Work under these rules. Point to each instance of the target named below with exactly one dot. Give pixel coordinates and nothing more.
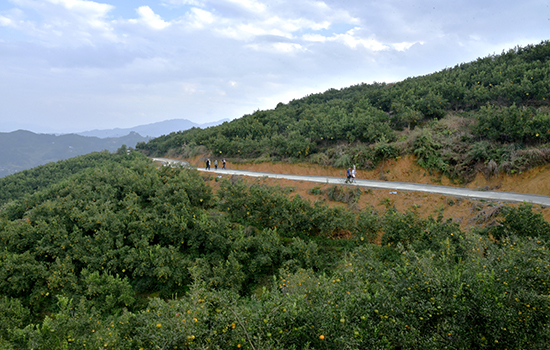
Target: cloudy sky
(75, 65)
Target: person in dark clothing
(348, 175)
(208, 164)
(223, 163)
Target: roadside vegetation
(129, 256)
(110, 251)
(491, 115)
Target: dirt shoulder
(466, 212)
(534, 181)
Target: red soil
(464, 211)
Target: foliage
(23, 149)
(503, 98)
(520, 221)
(426, 151)
(513, 124)
(423, 300)
(108, 251)
(40, 177)
(344, 194)
(133, 257)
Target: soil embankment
(466, 212)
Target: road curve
(390, 185)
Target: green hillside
(491, 115)
(25, 150)
(110, 251)
(123, 255)
(28, 181)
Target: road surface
(390, 185)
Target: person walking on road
(223, 163)
(216, 164)
(207, 163)
(353, 173)
(348, 175)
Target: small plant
(343, 194)
(387, 203)
(315, 190)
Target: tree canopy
(112, 251)
(502, 98)
(126, 255)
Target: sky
(77, 65)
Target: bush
(521, 221)
(343, 194)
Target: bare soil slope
(464, 211)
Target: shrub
(343, 194)
(401, 228)
(521, 221)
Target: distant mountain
(151, 130)
(23, 149)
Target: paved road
(390, 185)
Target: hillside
(24, 149)
(466, 212)
(490, 115)
(406, 169)
(111, 251)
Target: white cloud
(250, 5)
(274, 25)
(149, 18)
(354, 41)
(288, 47)
(315, 38)
(199, 18)
(6, 22)
(183, 2)
(64, 21)
(224, 58)
(404, 45)
(84, 7)
(285, 48)
(293, 25)
(87, 13)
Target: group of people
(215, 164)
(350, 175)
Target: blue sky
(75, 65)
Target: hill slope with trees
(23, 149)
(111, 251)
(125, 255)
(489, 115)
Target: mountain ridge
(151, 130)
(24, 149)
